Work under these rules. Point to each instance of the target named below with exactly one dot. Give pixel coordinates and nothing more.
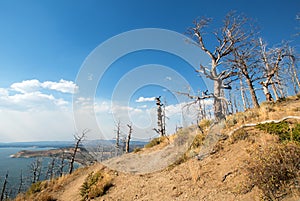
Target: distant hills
(60, 144)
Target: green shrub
(283, 130)
(95, 185)
(275, 169)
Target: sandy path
(142, 163)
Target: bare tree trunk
(235, 105)
(275, 91)
(36, 170)
(62, 164)
(266, 91)
(242, 90)
(219, 115)
(21, 183)
(252, 92)
(118, 134)
(230, 101)
(128, 138)
(160, 124)
(293, 70)
(4, 187)
(51, 168)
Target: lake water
(14, 167)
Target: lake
(14, 167)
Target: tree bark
(219, 115)
(78, 141)
(252, 92)
(128, 138)
(275, 91)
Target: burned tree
(292, 69)
(118, 125)
(78, 139)
(271, 62)
(245, 60)
(50, 170)
(21, 183)
(62, 164)
(4, 187)
(36, 168)
(160, 118)
(228, 38)
(128, 138)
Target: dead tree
(160, 118)
(245, 59)
(271, 61)
(198, 99)
(21, 183)
(128, 138)
(62, 164)
(50, 170)
(118, 125)
(4, 187)
(292, 69)
(35, 169)
(78, 139)
(228, 38)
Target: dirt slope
(220, 175)
(148, 162)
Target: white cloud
(63, 86)
(26, 86)
(142, 106)
(36, 95)
(143, 99)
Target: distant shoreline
(82, 156)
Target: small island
(83, 157)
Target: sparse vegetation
(95, 185)
(284, 130)
(275, 169)
(35, 188)
(155, 141)
(137, 149)
(240, 134)
(205, 123)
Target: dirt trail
(72, 191)
(142, 163)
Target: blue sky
(43, 45)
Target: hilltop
(254, 162)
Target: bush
(240, 134)
(198, 141)
(35, 188)
(137, 149)
(283, 130)
(155, 141)
(205, 123)
(275, 169)
(95, 185)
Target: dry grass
(275, 169)
(290, 106)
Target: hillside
(242, 163)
